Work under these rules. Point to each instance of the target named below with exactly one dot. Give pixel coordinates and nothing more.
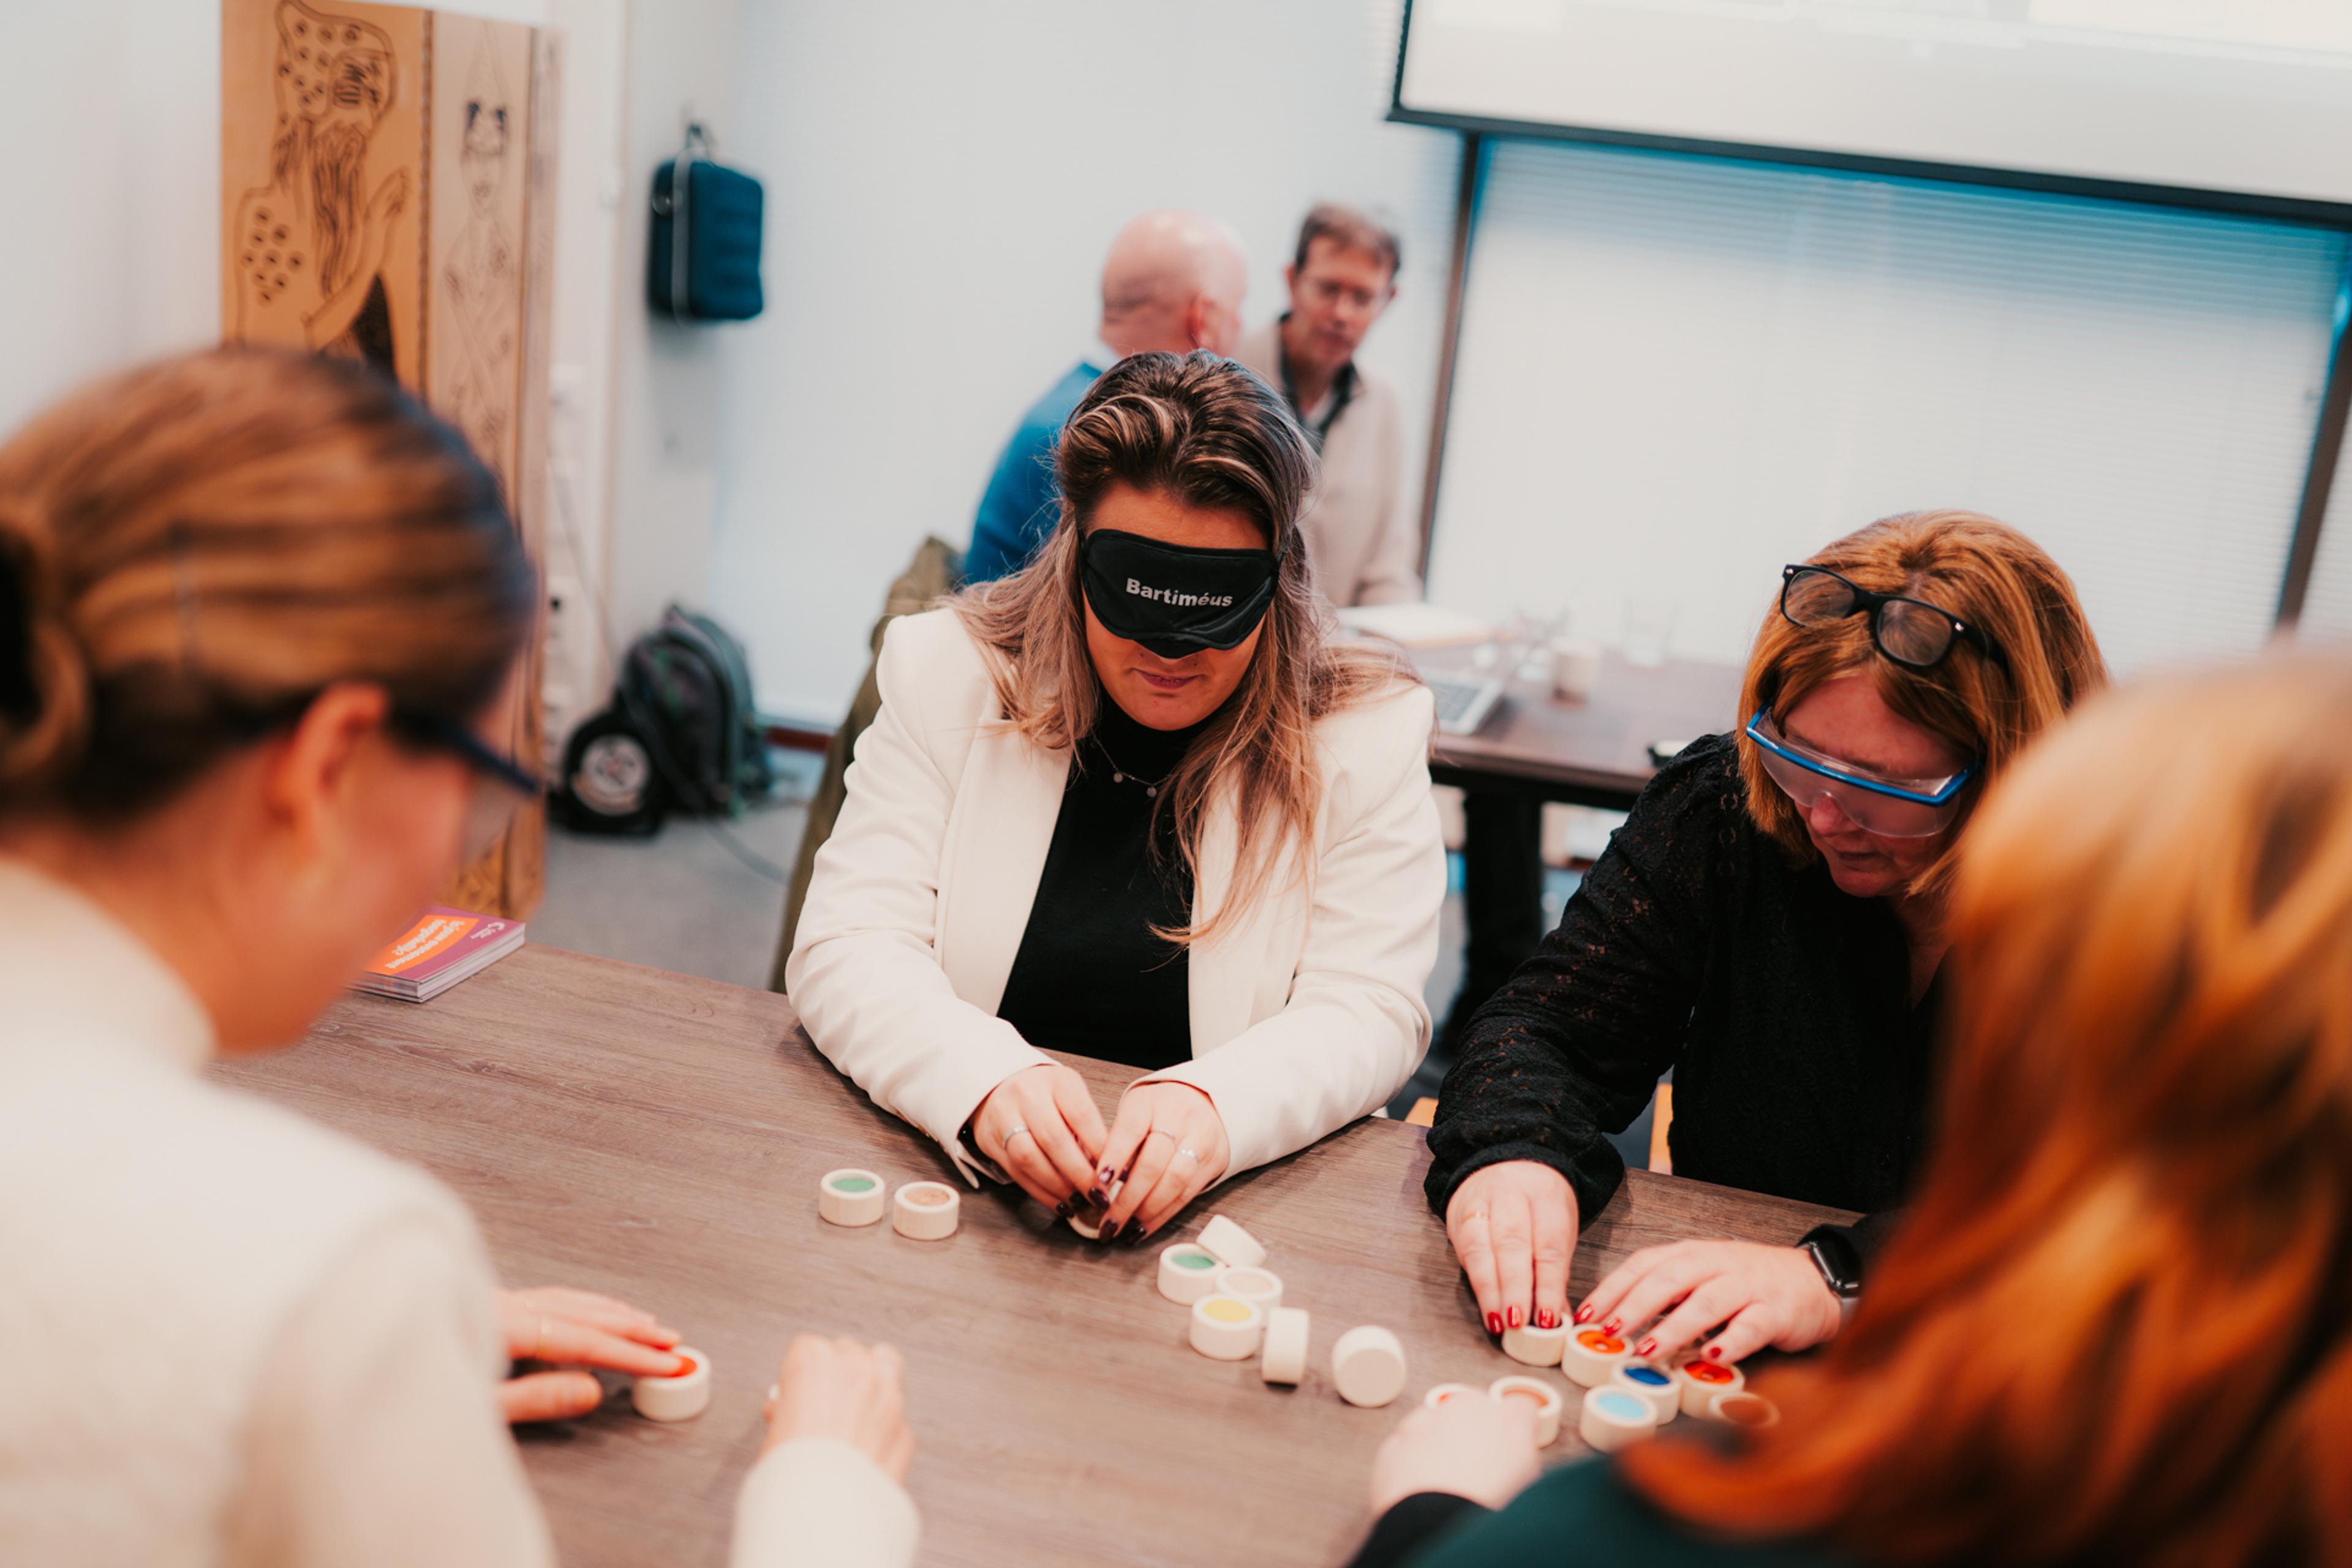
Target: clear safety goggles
(1891, 808)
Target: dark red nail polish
(1715, 1353)
(1493, 1322)
(1062, 1209)
(1100, 1200)
(1582, 1313)
(1513, 1319)
(1647, 1348)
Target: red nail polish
(1647, 1348)
(1715, 1353)
(1546, 1319)
(1515, 1317)
(1610, 1327)
(1582, 1313)
(1493, 1322)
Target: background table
(660, 1137)
(1594, 752)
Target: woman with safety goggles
(1135, 801)
(1769, 925)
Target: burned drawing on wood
(310, 246)
(481, 270)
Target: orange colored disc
(1603, 1344)
(686, 1367)
(1705, 1371)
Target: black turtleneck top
(1090, 976)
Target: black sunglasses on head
(1911, 632)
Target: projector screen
(2237, 104)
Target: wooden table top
(661, 1137)
(1594, 752)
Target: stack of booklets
(442, 948)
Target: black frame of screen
(2335, 402)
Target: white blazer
(1304, 1015)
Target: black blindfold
(1172, 598)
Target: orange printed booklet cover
(442, 948)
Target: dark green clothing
(1579, 1514)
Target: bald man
(1172, 282)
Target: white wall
(942, 179)
(680, 57)
(111, 249)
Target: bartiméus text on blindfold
(1176, 599)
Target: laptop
(1464, 701)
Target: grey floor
(701, 896)
(707, 898)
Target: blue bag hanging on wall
(704, 260)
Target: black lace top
(1801, 1067)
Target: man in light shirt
(1172, 282)
(1367, 549)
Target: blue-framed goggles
(1891, 808)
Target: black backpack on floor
(680, 735)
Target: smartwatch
(1840, 1261)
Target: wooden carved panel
(388, 193)
(322, 176)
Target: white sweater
(239, 1337)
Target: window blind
(2327, 603)
(1677, 374)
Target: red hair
(2113, 1327)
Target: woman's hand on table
(1167, 1147)
(844, 1390)
(1482, 1449)
(1758, 1295)
(1513, 1225)
(1041, 1127)
(576, 1329)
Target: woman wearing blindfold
(1135, 801)
(1769, 925)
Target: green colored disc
(1195, 1261)
(853, 1184)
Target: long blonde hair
(1985, 707)
(2116, 1326)
(1209, 433)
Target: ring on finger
(1160, 1133)
(1188, 1154)
(539, 1346)
(1015, 1131)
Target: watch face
(613, 776)
(1841, 1283)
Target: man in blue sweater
(1173, 282)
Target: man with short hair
(1365, 546)
(1367, 551)
(1172, 282)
